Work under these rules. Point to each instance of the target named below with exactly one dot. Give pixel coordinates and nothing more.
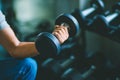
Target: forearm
(24, 49)
(16, 48)
(10, 42)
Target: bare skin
(18, 49)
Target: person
(16, 63)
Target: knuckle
(59, 31)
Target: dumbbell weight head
(74, 28)
(47, 45)
(103, 22)
(79, 16)
(99, 6)
(55, 67)
(116, 8)
(102, 25)
(109, 18)
(51, 66)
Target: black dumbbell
(97, 7)
(116, 8)
(73, 74)
(116, 31)
(71, 21)
(101, 23)
(47, 44)
(54, 68)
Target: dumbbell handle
(115, 14)
(99, 5)
(68, 62)
(65, 24)
(72, 74)
(86, 12)
(89, 72)
(109, 18)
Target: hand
(61, 32)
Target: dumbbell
(54, 68)
(116, 8)
(47, 44)
(97, 7)
(73, 74)
(101, 23)
(116, 22)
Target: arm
(16, 48)
(19, 49)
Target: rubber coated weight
(97, 7)
(116, 8)
(55, 68)
(73, 24)
(104, 21)
(47, 44)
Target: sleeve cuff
(3, 25)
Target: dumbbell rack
(107, 35)
(109, 40)
(106, 44)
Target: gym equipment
(73, 74)
(71, 22)
(116, 8)
(116, 31)
(103, 22)
(97, 7)
(55, 68)
(47, 44)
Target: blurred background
(30, 17)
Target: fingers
(61, 32)
(61, 40)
